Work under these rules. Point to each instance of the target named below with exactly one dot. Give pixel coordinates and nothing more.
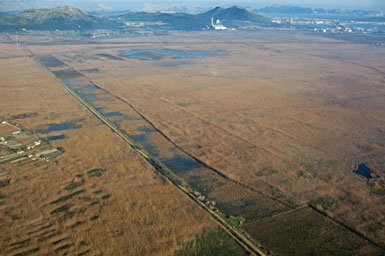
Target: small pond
(364, 171)
(57, 137)
(157, 54)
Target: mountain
(21, 5)
(62, 18)
(233, 14)
(372, 19)
(2, 14)
(294, 10)
(176, 21)
(285, 10)
(230, 17)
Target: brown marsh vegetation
(99, 197)
(286, 114)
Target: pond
(364, 171)
(58, 127)
(57, 137)
(157, 54)
(171, 64)
(180, 164)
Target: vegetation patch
(93, 203)
(15, 217)
(77, 223)
(59, 241)
(13, 159)
(61, 149)
(74, 185)
(306, 232)
(97, 192)
(44, 238)
(95, 172)
(212, 242)
(235, 222)
(106, 197)
(42, 235)
(266, 171)
(326, 202)
(64, 247)
(40, 229)
(83, 253)
(63, 208)
(20, 243)
(67, 197)
(94, 217)
(85, 198)
(28, 252)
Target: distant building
(217, 25)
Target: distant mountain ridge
(233, 13)
(2, 14)
(318, 11)
(71, 18)
(62, 18)
(285, 10)
(186, 21)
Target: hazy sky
(350, 4)
(137, 4)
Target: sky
(349, 4)
(137, 4)
(365, 4)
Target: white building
(217, 25)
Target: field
(257, 124)
(286, 233)
(99, 197)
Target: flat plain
(98, 197)
(281, 118)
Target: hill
(233, 14)
(182, 21)
(178, 21)
(294, 10)
(62, 18)
(285, 10)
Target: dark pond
(49, 61)
(364, 171)
(57, 137)
(76, 86)
(85, 87)
(108, 56)
(141, 55)
(170, 64)
(58, 127)
(180, 164)
(66, 74)
(112, 114)
(144, 141)
(157, 54)
(89, 96)
(91, 70)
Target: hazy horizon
(156, 5)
